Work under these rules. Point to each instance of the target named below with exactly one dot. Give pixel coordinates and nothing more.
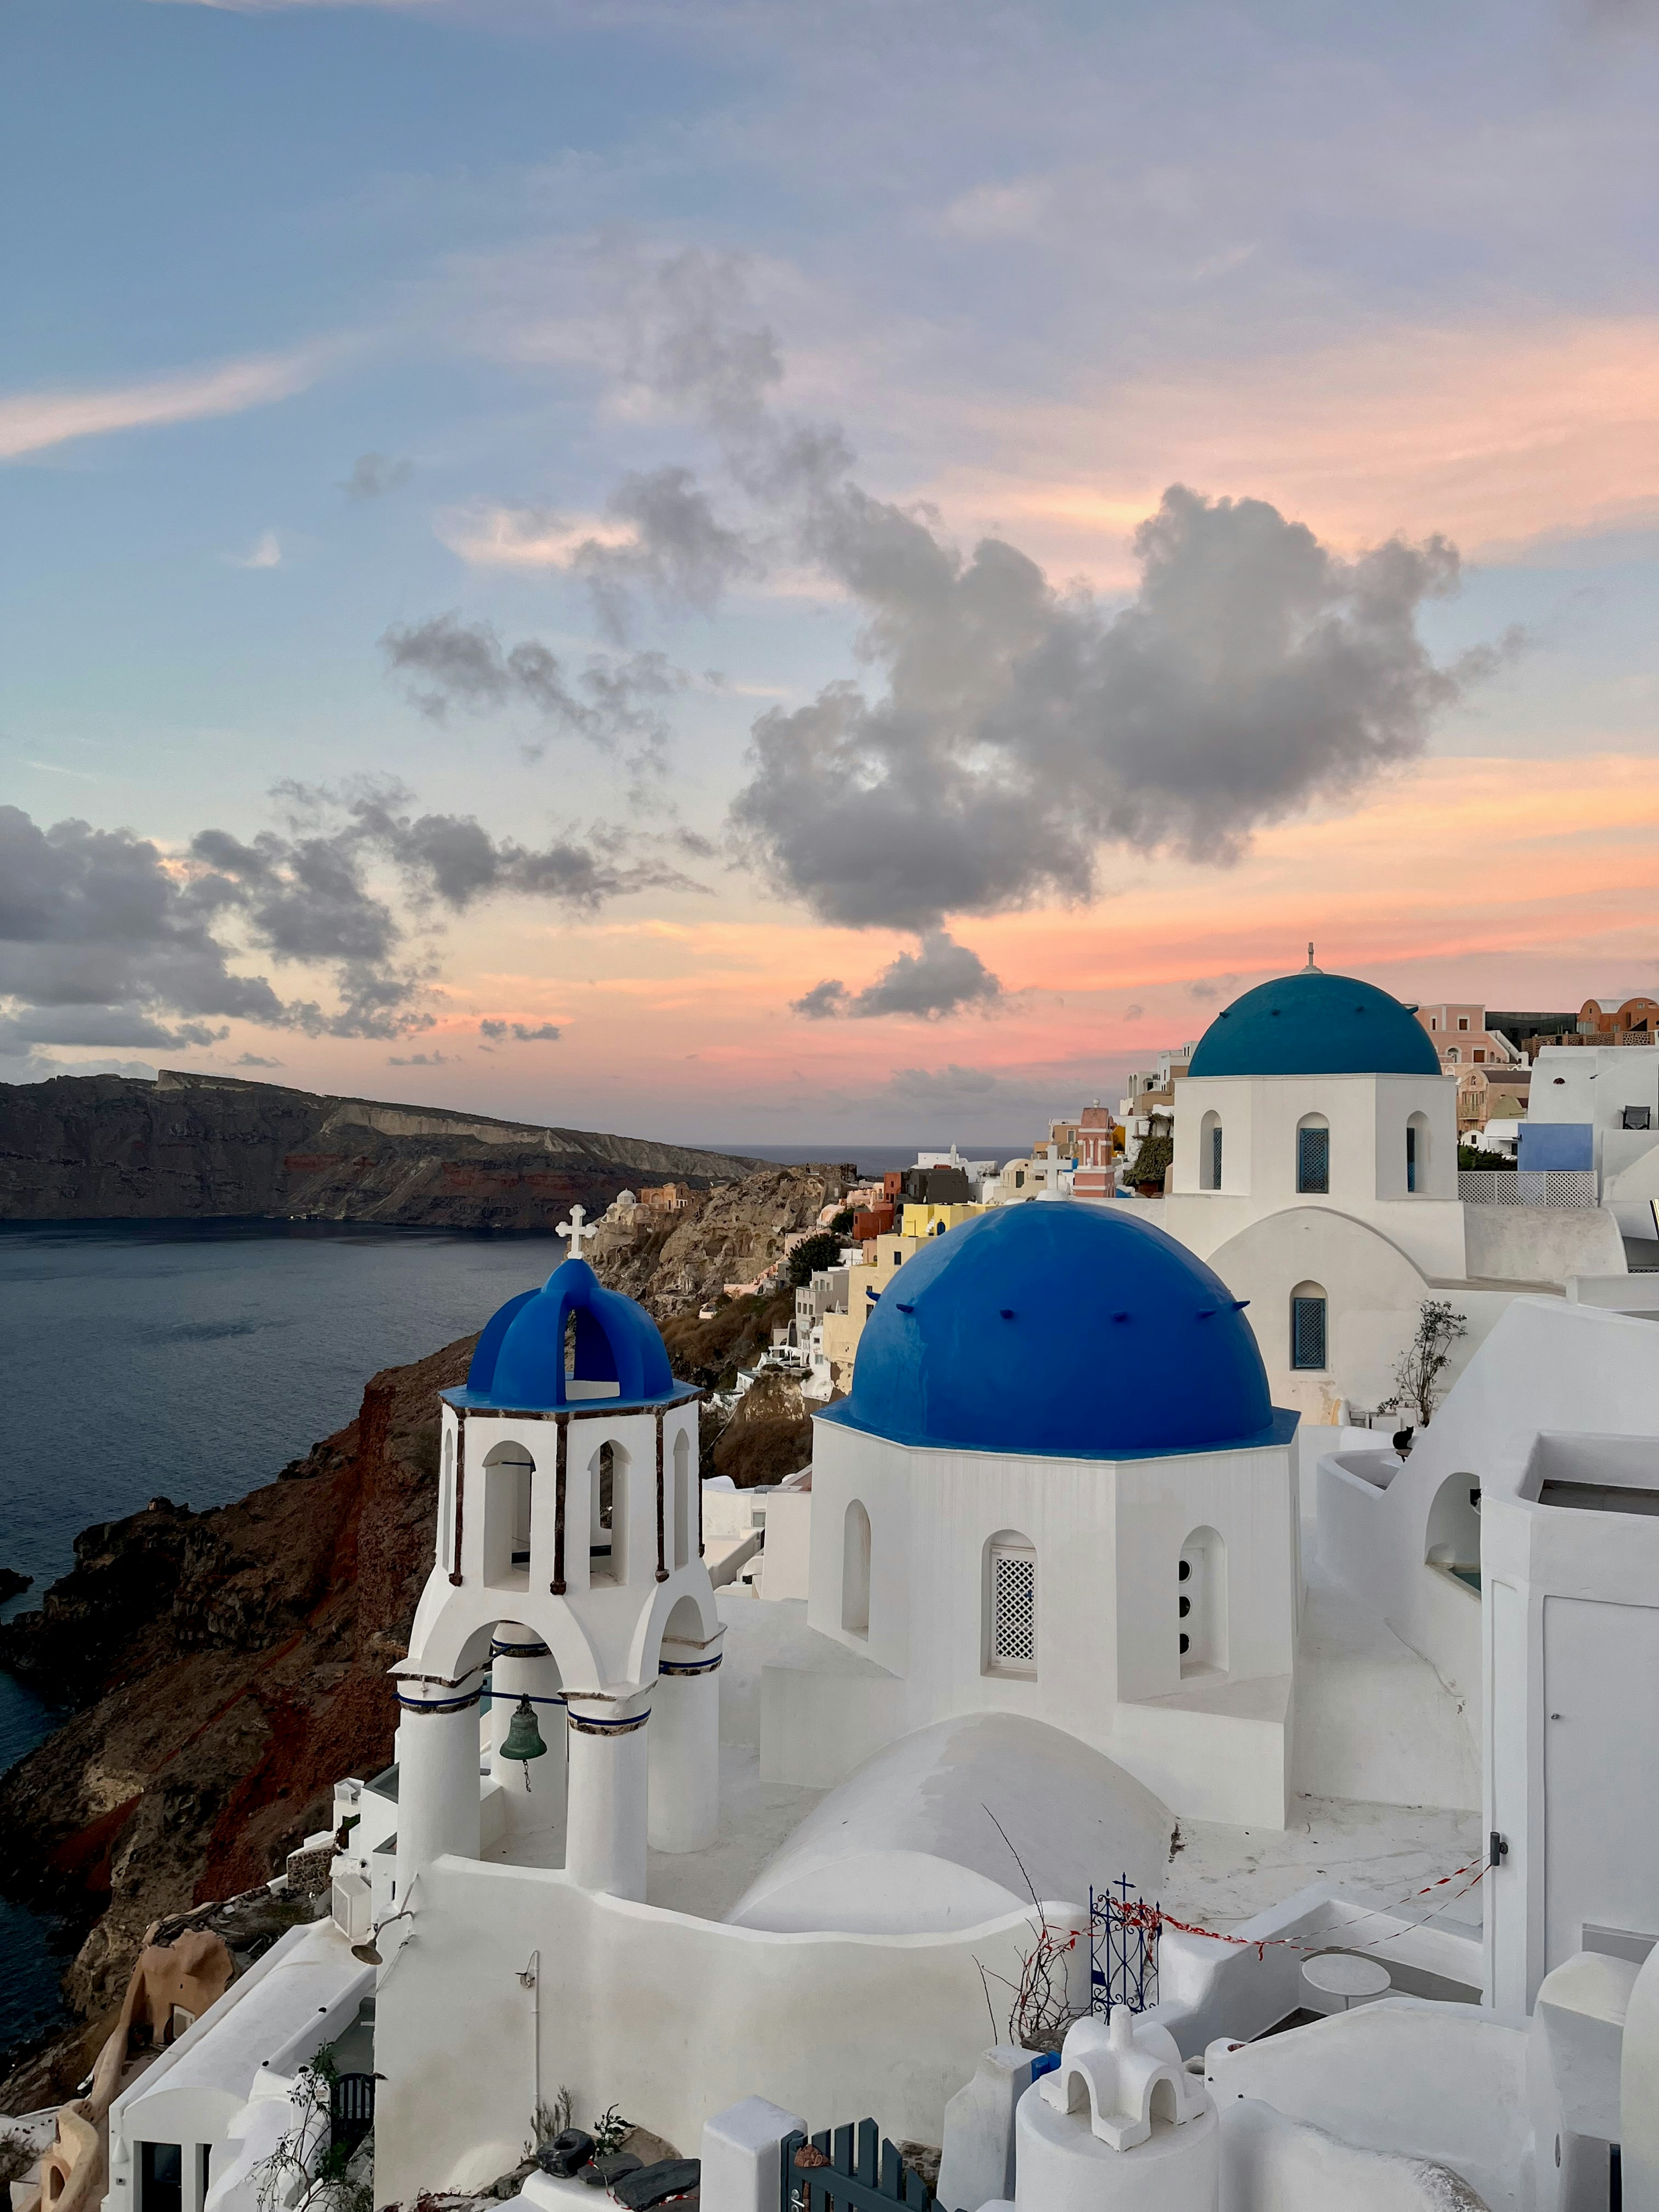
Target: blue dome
(520, 1361)
(1060, 1329)
(1314, 1025)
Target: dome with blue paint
(1312, 1023)
(520, 1363)
(1064, 1330)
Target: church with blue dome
(1060, 1488)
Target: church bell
(524, 1738)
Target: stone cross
(576, 1232)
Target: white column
(521, 1666)
(606, 1835)
(437, 1773)
(685, 1749)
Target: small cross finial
(576, 1232)
(1311, 969)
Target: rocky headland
(200, 1148)
(230, 1665)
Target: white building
(1059, 1488)
(1316, 1170)
(1597, 1106)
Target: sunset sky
(727, 570)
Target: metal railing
(1557, 1186)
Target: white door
(1601, 1770)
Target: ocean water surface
(191, 1361)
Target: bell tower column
(605, 1836)
(437, 1771)
(685, 1757)
(521, 1666)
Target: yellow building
(921, 1221)
(884, 1257)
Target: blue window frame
(1308, 1332)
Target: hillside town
(1158, 1713)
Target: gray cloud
(103, 941)
(373, 475)
(679, 552)
(942, 977)
(448, 663)
(1212, 987)
(96, 935)
(1133, 1013)
(421, 1060)
(520, 1032)
(253, 1059)
(1021, 729)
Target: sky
(750, 574)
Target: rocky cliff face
(109, 1147)
(233, 1662)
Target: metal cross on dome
(576, 1232)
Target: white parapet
(741, 2148)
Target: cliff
(233, 1662)
(110, 1147)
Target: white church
(1086, 1604)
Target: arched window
(1453, 1054)
(1308, 1327)
(1313, 1154)
(682, 1498)
(1201, 1603)
(1416, 1152)
(1009, 1604)
(1209, 1151)
(855, 1571)
(507, 1473)
(607, 1553)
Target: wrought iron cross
(576, 1232)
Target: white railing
(1573, 1187)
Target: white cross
(575, 1232)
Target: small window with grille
(1012, 1640)
(1313, 1160)
(1307, 1331)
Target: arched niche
(508, 1472)
(855, 1569)
(684, 1520)
(1209, 1151)
(1313, 1156)
(1200, 1606)
(1451, 1539)
(1309, 1319)
(607, 1540)
(1008, 1604)
(1417, 1152)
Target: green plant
(611, 2132)
(1152, 1161)
(1471, 1159)
(554, 2119)
(1417, 1386)
(842, 1224)
(823, 1251)
(307, 2171)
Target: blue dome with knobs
(519, 1362)
(1315, 1024)
(1063, 1330)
